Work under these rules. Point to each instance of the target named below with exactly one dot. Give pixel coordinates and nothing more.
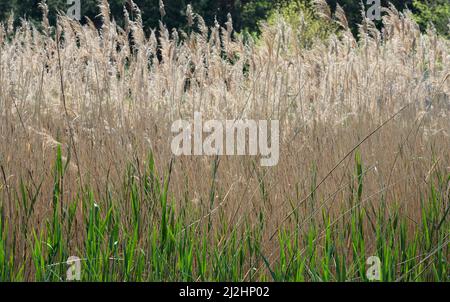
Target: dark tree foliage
(245, 13)
(175, 17)
(5, 7)
(354, 8)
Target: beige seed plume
(162, 11)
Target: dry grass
(120, 100)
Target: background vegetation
(246, 14)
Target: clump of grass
(117, 246)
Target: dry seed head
(162, 11)
(45, 23)
(229, 24)
(189, 15)
(322, 8)
(341, 18)
(202, 26)
(105, 13)
(10, 24)
(2, 34)
(127, 19)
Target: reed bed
(87, 170)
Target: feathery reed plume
(45, 23)
(2, 34)
(10, 24)
(341, 18)
(162, 11)
(104, 13)
(189, 15)
(322, 9)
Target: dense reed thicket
(87, 170)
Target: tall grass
(87, 171)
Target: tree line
(246, 14)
